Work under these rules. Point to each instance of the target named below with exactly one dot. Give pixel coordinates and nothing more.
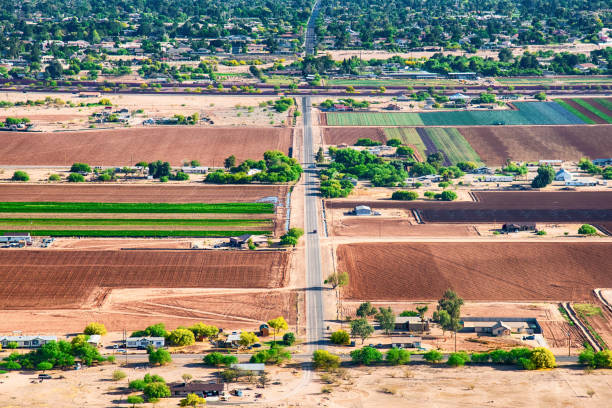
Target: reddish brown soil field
(503, 207)
(584, 111)
(114, 193)
(68, 279)
(495, 144)
(393, 227)
(128, 146)
(481, 271)
(227, 310)
(350, 135)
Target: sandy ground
(221, 109)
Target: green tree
(421, 310)
(80, 168)
(366, 310)
(320, 157)
(386, 320)
(218, 359)
(394, 142)
(586, 229)
(75, 178)
(288, 339)
(44, 366)
(366, 356)
(202, 331)
(362, 329)
(192, 400)
(160, 357)
(336, 280)
(155, 330)
(540, 96)
(404, 195)
(279, 324)
(587, 357)
(230, 162)
(156, 390)
(542, 358)
(397, 356)
(340, 337)
(456, 360)
(247, 339)
(433, 356)
(448, 195)
(324, 360)
(181, 337)
(288, 240)
(546, 175)
(95, 328)
(603, 359)
(274, 355)
(54, 177)
(134, 399)
(20, 176)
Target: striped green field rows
(38, 222)
(373, 119)
(593, 109)
(604, 102)
(61, 207)
(456, 147)
(576, 112)
(138, 233)
(408, 136)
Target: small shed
(264, 330)
(363, 210)
(411, 323)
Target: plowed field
(350, 135)
(105, 193)
(503, 207)
(495, 144)
(128, 146)
(482, 271)
(68, 279)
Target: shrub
(163, 179)
(587, 229)
(44, 366)
(499, 356)
(394, 142)
(587, 357)
(603, 359)
(156, 390)
(397, 356)
(192, 400)
(366, 356)
(458, 359)
(80, 168)
(180, 176)
(340, 337)
(404, 195)
(160, 356)
(289, 339)
(367, 142)
(181, 337)
(137, 385)
(480, 357)
(95, 328)
(151, 378)
(135, 399)
(118, 375)
(433, 356)
(20, 176)
(218, 359)
(404, 151)
(54, 177)
(542, 358)
(75, 178)
(324, 360)
(448, 195)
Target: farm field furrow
(453, 144)
(108, 193)
(584, 110)
(600, 104)
(482, 271)
(80, 207)
(164, 222)
(67, 279)
(496, 144)
(348, 135)
(119, 232)
(126, 147)
(408, 136)
(589, 104)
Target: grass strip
(130, 221)
(575, 111)
(593, 109)
(565, 315)
(139, 234)
(590, 328)
(60, 207)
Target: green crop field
(373, 119)
(604, 102)
(576, 112)
(408, 136)
(138, 233)
(453, 143)
(61, 207)
(585, 104)
(37, 222)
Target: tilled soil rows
(350, 135)
(123, 147)
(67, 279)
(476, 271)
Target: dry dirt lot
(126, 147)
(477, 271)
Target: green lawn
(37, 222)
(453, 143)
(573, 110)
(61, 207)
(138, 233)
(408, 136)
(592, 109)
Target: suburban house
(134, 342)
(206, 390)
(406, 342)
(500, 326)
(563, 175)
(256, 368)
(525, 226)
(26, 341)
(411, 324)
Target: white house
(256, 368)
(133, 342)
(94, 340)
(563, 175)
(26, 341)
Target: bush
(80, 168)
(480, 357)
(397, 356)
(54, 177)
(135, 399)
(404, 195)
(181, 337)
(394, 142)
(457, 359)
(137, 385)
(180, 176)
(151, 378)
(218, 359)
(603, 359)
(192, 400)
(324, 360)
(155, 330)
(542, 358)
(448, 195)
(367, 142)
(163, 179)
(156, 390)
(404, 151)
(366, 356)
(160, 356)
(587, 229)
(587, 357)
(433, 356)
(95, 328)
(340, 337)
(289, 339)
(75, 178)
(20, 176)
(44, 366)
(118, 375)
(274, 355)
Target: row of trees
(275, 167)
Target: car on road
(44, 377)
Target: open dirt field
(48, 279)
(107, 193)
(496, 144)
(566, 207)
(350, 135)
(122, 147)
(133, 309)
(483, 271)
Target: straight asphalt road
(314, 277)
(310, 29)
